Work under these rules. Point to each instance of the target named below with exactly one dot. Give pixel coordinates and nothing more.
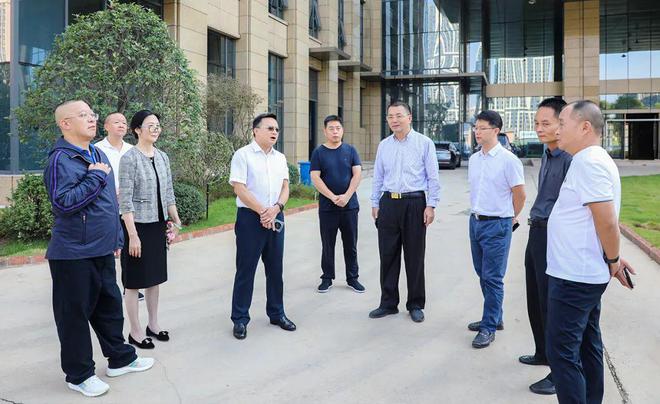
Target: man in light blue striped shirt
(406, 190)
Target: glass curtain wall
(525, 41)
(421, 37)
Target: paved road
(338, 354)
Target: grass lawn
(223, 211)
(12, 247)
(640, 206)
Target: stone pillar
(296, 82)
(328, 94)
(187, 23)
(581, 50)
(252, 48)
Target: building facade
(447, 58)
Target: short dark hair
(139, 118)
(557, 104)
(257, 120)
(399, 104)
(492, 117)
(590, 112)
(332, 118)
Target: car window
(442, 146)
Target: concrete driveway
(338, 354)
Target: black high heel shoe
(145, 344)
(161, 336)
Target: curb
(20, 260)
(639, 241)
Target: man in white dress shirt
(583, 255)
(497, 195)
(260, 177)
(113, 145)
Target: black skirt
(151, 268)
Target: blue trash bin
(305, 176)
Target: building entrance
(634, 137)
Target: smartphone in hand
(515, 226)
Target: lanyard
(92, 154)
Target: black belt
(483, 217)
(537, 223)
(404, 195)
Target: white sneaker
(138, 365)
(91, 387)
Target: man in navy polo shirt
(336, 171)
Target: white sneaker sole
(86, 393)
(122, 371)
(356, 290)
(324, 291)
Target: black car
(448, 155)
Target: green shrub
(190, 203)
(221, 189)
(29, 215)
(294, 174)
(302, 191)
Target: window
(221, 55)
(222, 62)
(276, 7)
(525, 42)
(340, 99)
(341, 30)
(276, 94)
(518, 116)
(314, 18)
(313, 109)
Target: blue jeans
(490, 241)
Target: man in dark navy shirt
(554, 166)
(336, 171)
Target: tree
(627, 101)
(226, 96)
(120, 59)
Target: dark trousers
(345, 221)
(490, 241)
(401, 224)
(85, 292)
(574, 345)
(537, 286)
(254, 242)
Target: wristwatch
(609, 261)
(281, 205)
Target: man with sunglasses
(497, 195)
(85, 236)
(260, 177)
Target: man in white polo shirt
(260, 177)
(583, 255)
(497, 195)
(113, 145)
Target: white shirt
(491, 177)
(114, 155)
(574, 250)
(262, 173)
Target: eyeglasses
(271, 128)
(482, 129)
(85, 116)
(152, 128)
(397, 116)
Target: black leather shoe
(417, 315)
(381, 312)
(161, 336)
(544, 386)
(284, 323)
(477, 324)
(145, 344)
(532, 360)
(240, 331)
(483, 339)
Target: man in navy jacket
(85, 236)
